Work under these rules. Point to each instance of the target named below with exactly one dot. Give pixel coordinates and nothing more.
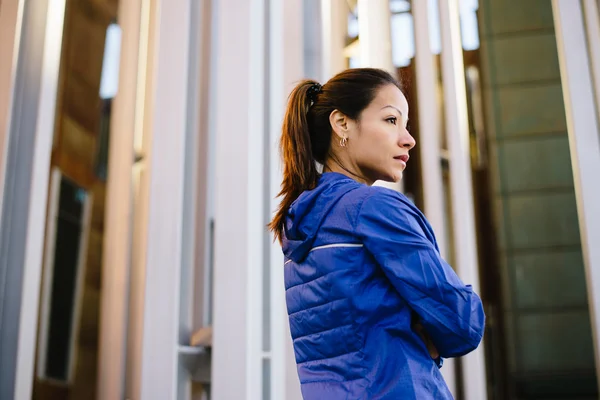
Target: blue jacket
(361, 265)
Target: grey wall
(548, 334)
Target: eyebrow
(399, 112)
(391, 106)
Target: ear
(339, 123)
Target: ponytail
(299, 166)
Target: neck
(332, 164)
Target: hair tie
(313, 91)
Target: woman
(372, 305)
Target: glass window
(435, 36)
(62, 289)
(403, 39)
(468, 24)
(399, 6)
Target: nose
(406, 140)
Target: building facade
(139, 167)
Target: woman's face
(378, 143)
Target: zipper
(330, 246)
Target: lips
(404, 158)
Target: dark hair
(306, 132)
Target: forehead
(390, 95)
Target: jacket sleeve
(450, 311)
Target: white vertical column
(283, 28)
(429, 143)
(167, 130)
(463, 212)
(591, 12)
(11, 15)
(286, 70)
(312, 34)
(239, 200)
(334, 17)
(201, 312)
(117, 233)
(38, 195)
(578, 80)
(375, 34)
(140, 188)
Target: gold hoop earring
(343, 141)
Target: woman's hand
(418, 328)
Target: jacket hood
(307, 213)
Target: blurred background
(139, 167)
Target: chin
(394, 177)
(397, 175)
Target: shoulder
(384, 199)
(390, 211)
(354, 198)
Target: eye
(392, 120)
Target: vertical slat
(334, 19)
(28, 147)
(190, 312)
(463, 212)
(11, 17)
(287, 57)
(117, 219)
(38, 197)
(279, 44)
(429, 142)
(239, 200)
(312, 25)
(140, 201)
(201, 313)
(165, 165)
(190, 238)
(591, 12)
(255, 197)
(577, 76)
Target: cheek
(374, 147)
(382, 141)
